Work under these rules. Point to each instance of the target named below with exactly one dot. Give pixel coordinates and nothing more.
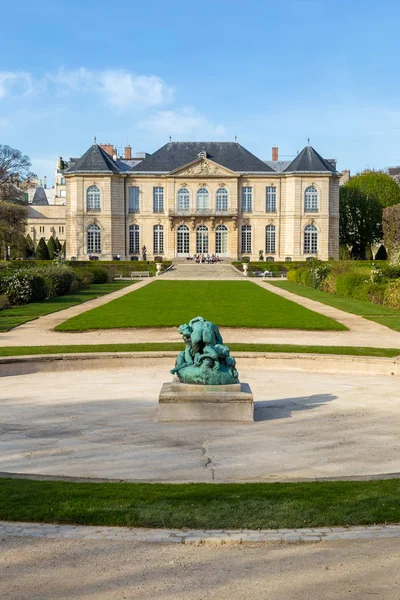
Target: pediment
(204, 167)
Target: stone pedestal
(183, 402)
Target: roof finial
(308, 139)
(170, 138)
(95, 140)
(235, 138)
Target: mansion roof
(174, 155)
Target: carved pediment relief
(203, 167)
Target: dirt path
(54, 569)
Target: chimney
(275, 153)
(128, 152)
(45, 182)
(109, 148)
(114, 153)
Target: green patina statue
(205, 359)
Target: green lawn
(202, 506)
(177, 346)
(226, 303)
(17, 315)
(384, 315)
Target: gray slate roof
(278, 165)
(227, 154)
(95, 160)
(309, 161)
(40, 198)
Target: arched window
(158, 239)
(183, 240)
(183, 200)
(93, 199)
(246, 239)
(270, 237)
(221, 240)
(94, 239)
(310, 239)
(202, 239)
(134, 246)
(311, 199)
(202, 199)
(221, 200)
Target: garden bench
(140, 274)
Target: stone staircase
(190, 270)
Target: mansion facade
(213, 197)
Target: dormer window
(202, 154)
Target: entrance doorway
(202, 239)
(221, 240)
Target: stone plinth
(184, 402)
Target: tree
(29, 248)
(378, 185)
(360, 220)
(64, 250)
(58, 245)
(381, 254)
(52, 248)
(12, 227)
(14, 167)
(42, 252)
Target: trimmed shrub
(22, 287)
(84, 277)
(329, 284)
(51, 247)
(299, 273)
(3, 301)
(291, 275)
(353, 285)
(381, 254)
(58, 279)
(376, 292)
(101, 274)
(392, 294)
(42, 252)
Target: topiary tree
(381, 254)
(58, 245)
(52, 248)
(42, 252)
(29, 248)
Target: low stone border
(318, 363)
(195, 536)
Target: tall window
(247, 199)
(183, 240)
(311, 199)
(221, 200)
(270, 237)
(246, 239)
(221, 239)
(183, 199)
(134, 245)
(202, 199)
(310, 239)
(93, 199)
(158, 239)
(270, 205)
(94, 239)
(158, 199)
(133, 199)
(202, 239)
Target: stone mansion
(199, 197)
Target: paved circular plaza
(101, 424)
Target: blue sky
(272, 73)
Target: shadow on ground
(267, 410)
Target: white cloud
(17, 83)
(119, 88)
(182, 122)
